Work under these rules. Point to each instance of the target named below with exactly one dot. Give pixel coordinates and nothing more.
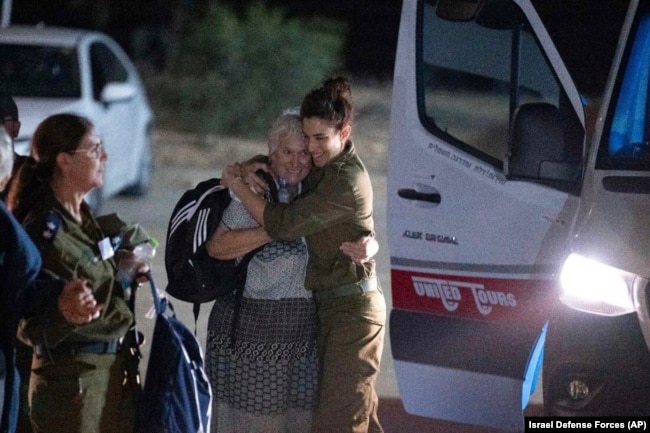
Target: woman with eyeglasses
(78, 381)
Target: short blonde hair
(6, 158)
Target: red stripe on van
(488, 299)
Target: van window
(474, 73)
(625, 143)
(586, 36)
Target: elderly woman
(77, 381)
(266, 380)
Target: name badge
(106, 248)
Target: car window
(106, 68)
(39, 71)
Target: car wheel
(141, 185)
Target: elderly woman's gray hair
(6, 158)
(288, 125)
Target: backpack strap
(133, 340)
(160, 303)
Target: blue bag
(176, 396)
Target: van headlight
(593, 287)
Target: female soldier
(337, 207)
(20, 263)
(77, 380)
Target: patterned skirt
(266, 380)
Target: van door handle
(411, 194)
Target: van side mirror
(457, 10)
(543, 145)
(493, 14)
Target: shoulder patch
(51, 225)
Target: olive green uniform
(76, 384)
(351, 307)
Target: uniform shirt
(72, 250)
(336, 208)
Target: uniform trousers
(351, 341)
(82, 394)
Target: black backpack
(192, 275)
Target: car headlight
(594, 287)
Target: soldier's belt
(363, 286)
(72, 349)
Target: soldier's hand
(77, 303)
(137, 266)
(249, 171)
(229, 174)
(362, 250)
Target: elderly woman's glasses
(95, 151)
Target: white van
(519, 208)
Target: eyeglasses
(96, 151)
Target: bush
(234, 75)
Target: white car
(50, 70)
